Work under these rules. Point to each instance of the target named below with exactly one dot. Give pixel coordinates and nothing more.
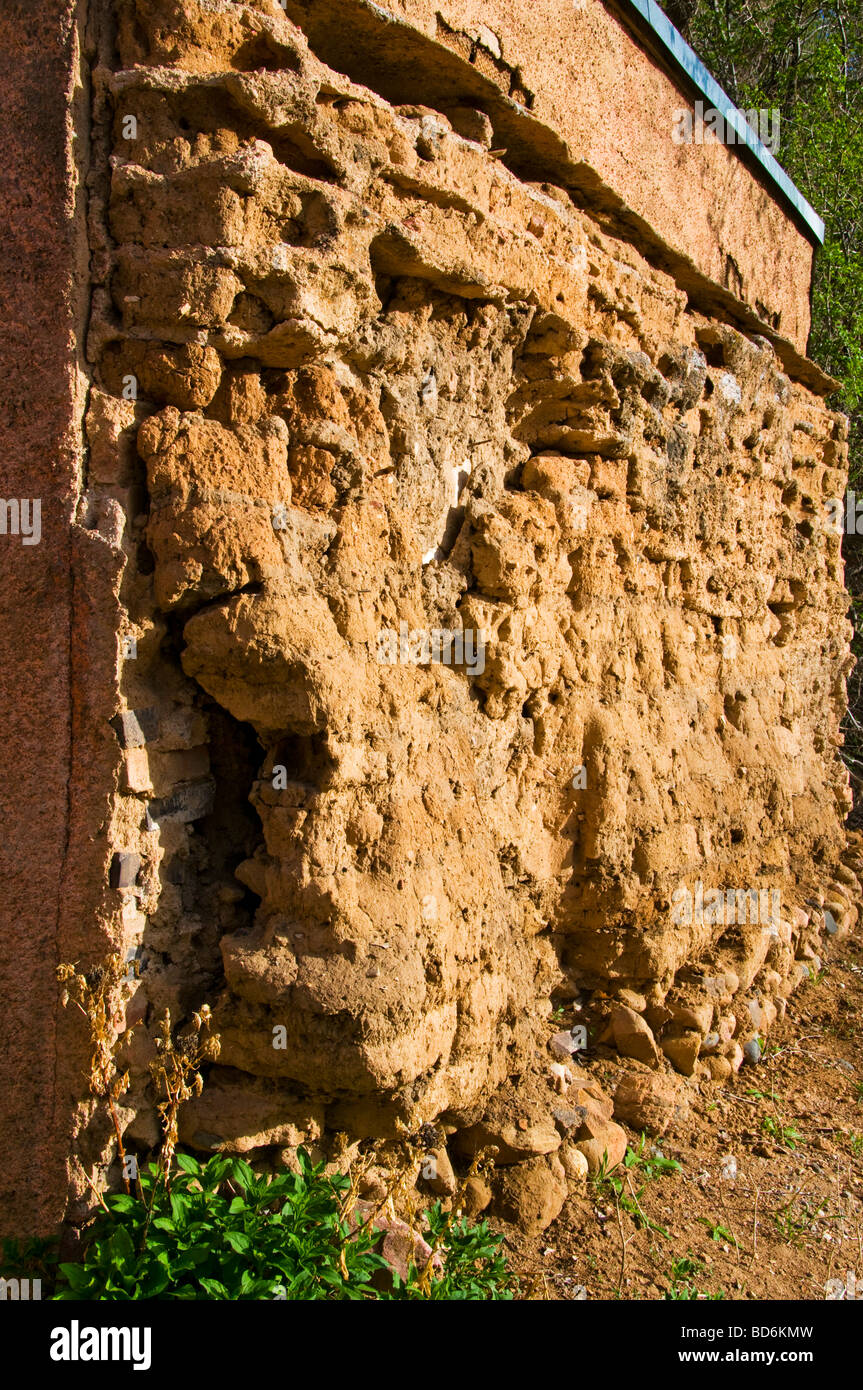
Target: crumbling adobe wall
(353, 376)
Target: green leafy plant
(684, 1271)
(219, 1231)
(650, 1162)
(34, 1258)
(717, 1232)
(783, 1134)
(637, 1163)
(473, 1266)
(793, 1227)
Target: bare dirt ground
(789, 1221)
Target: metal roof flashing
(683, 59)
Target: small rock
(600, 1138)
(563, 1045)
(514, 1142)
(575, 1164)
(682, 1051)
(470, 123)
(402, 1247)
(135, 728)
(718, 1068)
(735, 1056)
(697, 1017)
(136, 769)
(752, 1052)
(531, 1195)
(489, 40)
(594, 1100)
(188, 802)
(561, 1078)
(726, 1026)
(477, 1195)
(443, 1180)
(569, 1120)
(652, 1103)
(125, 867)
(633, 1037)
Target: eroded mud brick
(125, 867)
(186, 803)
(136, 727)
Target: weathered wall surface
(389, 382)
(359, 379)
(568, 85)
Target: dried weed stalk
(102, 994)
(176, 1073)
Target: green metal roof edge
(686, 60)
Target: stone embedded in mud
(696, 1016)
(397, 1243)
(477, 1195)
(575, 1163)
(752, 1052)
(652, 1103)
(563, 1045)
(682, 1049)
(602, 1142)
(632, 1000)
(441, 1175)
(735, 1056)
(514, 1144)
(569, 1120)
(402, 1248)
(125, 867)
(187, 802)
(633, 1037)
(530, 1195)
